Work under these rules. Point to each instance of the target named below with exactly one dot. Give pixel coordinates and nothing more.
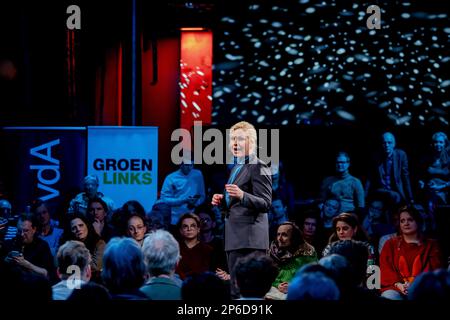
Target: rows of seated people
(164, 268)
(338, 232)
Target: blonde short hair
(249, 130)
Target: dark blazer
(246, 221)
(400, 175)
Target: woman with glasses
(195, 255)
(137, 227)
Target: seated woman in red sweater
(195, 255)
(407, 255)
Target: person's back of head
(164, 210)
(161, 253)
(314, 285)
(340, 270)
(356, 253)
(133, 206)
(123, 266)
(205, 287)
(73, 253)
(5, 209)
(433, 286)
(255, 274)
(157, 221)
(90, 292)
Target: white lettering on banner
(125, 159)
(47, 174)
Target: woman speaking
(246, 199)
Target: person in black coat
(247, 198)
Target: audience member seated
(27, 252)
(205, 287)
(406, 256)
(312, 283)
(330, 209)
(156, 222)
(389, 177)
(183, 190)
(133, 206)
(376, 222)
(346, 226)
(289, 252)
(48, 229)
(311, 227)
(137, 227)
(159, 217)
(255, 274)
(99, 216)
(119, 219)
(195, 255)
(343, 186)
(431, 287)
(78, 228)
(8, 228)
(435, 175)
(123, 270)
(277, 215)
(208, 236)
(79, 204)
(357, 253)
(5, 208)
(161, 255)
(73, 259)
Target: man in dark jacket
(390, 178)
(246, 200)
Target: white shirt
(177, 187)
(62, 290)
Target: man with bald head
(390, 178)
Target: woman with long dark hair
(79, 228)
(346, 226)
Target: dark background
(315, 123)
